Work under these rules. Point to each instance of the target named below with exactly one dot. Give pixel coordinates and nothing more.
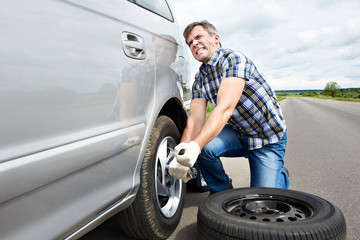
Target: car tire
(159, 203)
(268, 213)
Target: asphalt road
(322, 156)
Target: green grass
(345, 94)
(282, 97)
(209, 108)
(339, 98)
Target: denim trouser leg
(266, 164)
(226, 144)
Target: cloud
(331, 36)
(349, 53)
(296, 43)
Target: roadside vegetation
(209, 108)
(332, 90)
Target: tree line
(332, 90)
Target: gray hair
(205, 24)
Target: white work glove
(179, 171)
(190, 154)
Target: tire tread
(141, 220)
(214, 224)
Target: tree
(331, 89)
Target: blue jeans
(266, 164)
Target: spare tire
(269, 213)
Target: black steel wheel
(268, 213)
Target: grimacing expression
(202, 45)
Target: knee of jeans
(214, 147)
(207, 157)
(208, 151)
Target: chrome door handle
(134, 46)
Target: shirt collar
(213, 60)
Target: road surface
(322, 156)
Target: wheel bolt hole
(298, 215)
(266, 220)
(280, 220)
(253, 218)
(243, 215)
(292, 219)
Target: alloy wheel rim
(167, 188)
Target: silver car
(92, 100)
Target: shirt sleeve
(237, 65)
(196, 92)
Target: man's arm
(195, 121)
(199, 132)
(228, 96)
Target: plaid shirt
(258, 116)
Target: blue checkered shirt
(258, 116)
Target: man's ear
(217, 39)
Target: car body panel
(77, 105)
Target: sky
(296, 44)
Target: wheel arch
(175, 110)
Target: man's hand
(179, 171)
(187, 153)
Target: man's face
(202, 45)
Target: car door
(76, 93)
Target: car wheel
(268, 213)
(158, 206)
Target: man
(247, 119)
